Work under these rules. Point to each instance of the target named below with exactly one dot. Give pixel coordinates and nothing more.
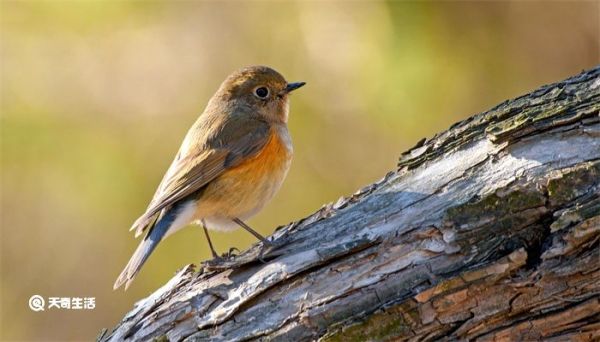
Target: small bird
(230, 164)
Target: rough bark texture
(488, 231)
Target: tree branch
(486, 231)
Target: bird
(232, 161)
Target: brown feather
(240, 135)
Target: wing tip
(119, 282)
(142, 223)
(124, 278)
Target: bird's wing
(227, 142)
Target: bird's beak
(293, 86)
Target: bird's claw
(216, 262)
(230, 254)
(265, 247)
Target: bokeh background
(96, 97)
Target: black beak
(293, 86)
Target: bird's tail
(146, 247)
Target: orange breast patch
(273, 157)
(243, 190)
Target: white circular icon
(37, 303)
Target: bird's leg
(252, 231)
(266, 243)
(212, 249)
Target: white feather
(184, 217)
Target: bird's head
(260, 88)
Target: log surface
(487, 231)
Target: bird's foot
(232, 253)
(220, 260)
(216, 262)
(265, 247)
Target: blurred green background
(97, 96)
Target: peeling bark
(487, 231)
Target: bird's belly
(243, 190)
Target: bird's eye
(262, 92)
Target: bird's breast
(243, 190)
(271, 163)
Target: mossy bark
(487, 231)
